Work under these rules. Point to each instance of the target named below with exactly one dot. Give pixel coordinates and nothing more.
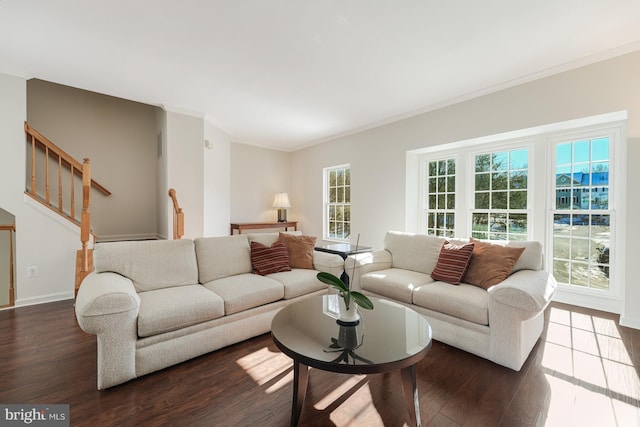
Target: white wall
(257, 174)
(217, 182)
(41, 241)
(119, 136)
(185, 169)
(378, 156)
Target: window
(500, 195)
(337, 203)
(582, 222)
(441, 197)
(560, 184)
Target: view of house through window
(576, 198)
(338, 203)
(582, 217)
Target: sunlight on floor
(268, 368)
(590, 372)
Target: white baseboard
(629, 322)
(609, 305)
(21, 302)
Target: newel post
(85, 217)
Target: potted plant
(347, 297)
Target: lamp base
(282, 215)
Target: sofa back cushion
(531, 258)
(268, 239)
(150, 264)
(416, 252)
(222, 256)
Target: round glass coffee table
(390, 337)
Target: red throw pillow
(491, 263)
(269, 259)
(453, 262)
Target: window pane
(332, 178)
(600, 149)
(347, 213)
(518, 223)
(347, 194)
(519, 159)
(517, 200)
(480, 222)
(518, 180)
(563, 154)
(441, 201)
(432, 202)
(433, 185)
(333, 195)
(442, 184)
(482, 201)
(451, 167)
(581, 151)
(347, 177)
(451, 184)
(499, 200)
(499, 181)
(451, 201)
(340, 195)
(442, 167)
(340, 179)
(433, 168)
(500, 161)
(482, 181)
(483, 163)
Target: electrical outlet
(32, 271)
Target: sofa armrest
(329, 263)
(102, 294)
(107, 305)
(365, 263)
(526, 290)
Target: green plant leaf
(362, 300)
(332, 280)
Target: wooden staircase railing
(73, 171)
(11, 229)
(178, 216)
(67, 167)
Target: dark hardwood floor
(583, 372)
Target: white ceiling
(290, 73)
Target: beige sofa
(153, 304)
(501, 323)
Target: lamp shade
(281, 201)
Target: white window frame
(326, 203)
(541, 193)
(424, 187)
(469, 191)
(610, 298)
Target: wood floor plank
(46, 358)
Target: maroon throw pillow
(269, 259)
(453, 262)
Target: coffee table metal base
(409, 387)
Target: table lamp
(281, 201)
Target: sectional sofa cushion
(152, 264)
(269, 259)
(298, 282)
(466, 302)
(169, 309)
(395, 283)
(222, 256)
(491, 263)
(244, 291)
(453, 262)
(300, 250)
